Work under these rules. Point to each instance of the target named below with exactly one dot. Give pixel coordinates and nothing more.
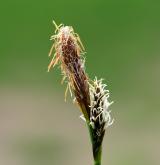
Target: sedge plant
(90, 95)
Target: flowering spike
(99, 113)
(69, 53)
(91, 96)
(100, 117)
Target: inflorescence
(91, 96)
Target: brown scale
(73, 64)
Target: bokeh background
(122, 41)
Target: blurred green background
(122, 41)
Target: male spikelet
(69, 53)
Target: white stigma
(99, 104)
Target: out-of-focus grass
(39, 150)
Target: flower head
(69, 53)
(100, 117)
(99, 114)
(91, 96)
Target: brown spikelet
(69, 53)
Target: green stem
(97, 159)
(97, 151)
